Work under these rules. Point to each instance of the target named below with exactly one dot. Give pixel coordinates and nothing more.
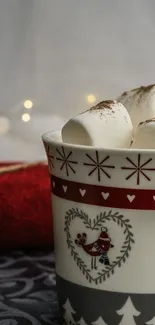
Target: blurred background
(58, 57)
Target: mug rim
(47, 137)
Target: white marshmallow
(140, 103)
(107, 125)
(145, 135)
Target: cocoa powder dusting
(124, 94)
(143, 89)
(139, 92)
(148, 121)
(102, 105)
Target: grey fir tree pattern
(98, 165)
(68, 314)
(129, 312)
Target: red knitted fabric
(25, 209)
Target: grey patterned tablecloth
(27, 289)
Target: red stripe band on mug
(113, 197)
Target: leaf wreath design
(96, 225)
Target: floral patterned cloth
(27, 289)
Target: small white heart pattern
(154, 197)
(64, 188)
(82, 191)
(131, 197)
(105, 195)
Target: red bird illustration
(100, 247)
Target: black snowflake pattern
(65, 158)
(50, 158)
(138, 169)
(98, 165)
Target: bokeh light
(28, 104)
(26, 117)
(91, 98)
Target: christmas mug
(104, 228)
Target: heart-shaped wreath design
(98, 223)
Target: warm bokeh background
(61, 55)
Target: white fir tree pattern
(151, 322)
(99, 321)
(81, 322)
(68, 314)
(129, 312)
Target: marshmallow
(145, 135)
(107, 125)
(140, 103)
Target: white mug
(104, 228)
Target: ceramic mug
(104, 227)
